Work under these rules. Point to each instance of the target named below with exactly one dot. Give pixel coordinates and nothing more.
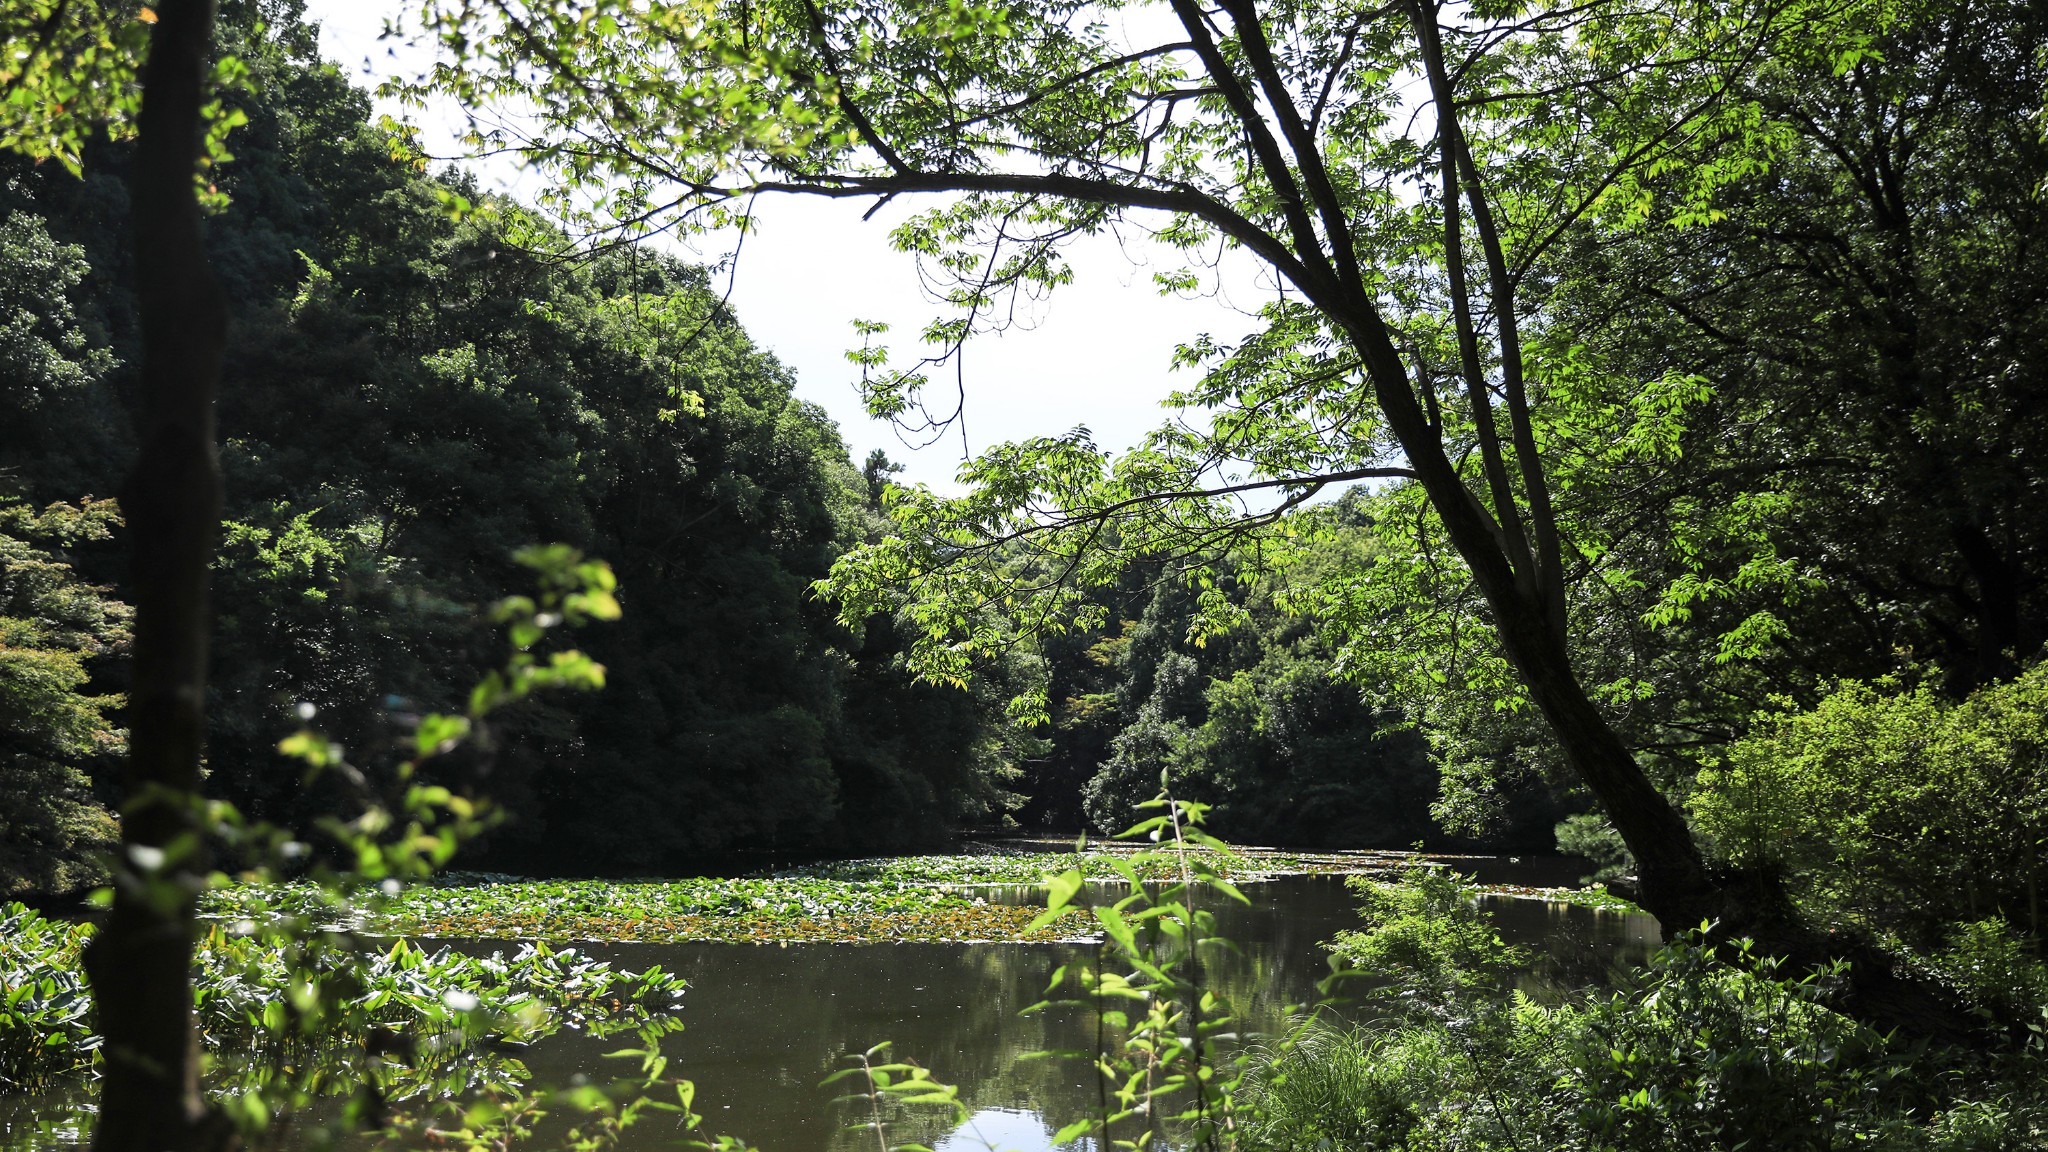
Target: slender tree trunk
(140, 963)
(1674, 884)
(1515, 559)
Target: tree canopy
(1437, 192)
(416, 397)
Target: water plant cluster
(929, 899)
(777, 910)
(1102, 861)
(1597, 897)
(336, 1014)
(45, 1007)
(975, 897)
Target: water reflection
(1574, 947)
(997, 1129)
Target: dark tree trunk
(2005, 636)
(140, 964)
(1674, 884)
(1516, 560)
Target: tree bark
(140, 963)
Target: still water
(765, 1024)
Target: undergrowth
(344, 1016)
(1697, 1051)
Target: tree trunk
(140, 964)
(1673, 882)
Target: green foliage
(928, 898)
(1258, 721)
(56, 630)
(1427, 939)
(1594, 838)
(1896, 810)
(1850, 488)
(285, 980)
(1732, 363)
(738, 910)
(1103, 861)
(446, 1019)
(371, 1024)
(579, 1118)
(1167, 1072)
(1707, 1053)
(43, 349)
(422, 396)
(1347, 1088)
(45, 1007)
(70, 72)
(67, 68)
(1696, 1051)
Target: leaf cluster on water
(905, 898)
(46, 1027)
(783, 909)
(1105, 862)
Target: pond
(764, 1024)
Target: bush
(1346, 1088)
(1897, 813)
(1707, 1054)
(1594, 838)
(1699, 1052)
(1427, 939)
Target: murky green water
(765, 1024)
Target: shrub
(1697, 1052)
(1896, 812)
(329, 1010)
(1427, 938)
(1347, 1088)
(1709, 1054)
(1591, 836)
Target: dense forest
(1636, 453)
(415, 398)
(416, 394)
(418, 391)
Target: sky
(1096, 354)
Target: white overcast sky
(1097, 354)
